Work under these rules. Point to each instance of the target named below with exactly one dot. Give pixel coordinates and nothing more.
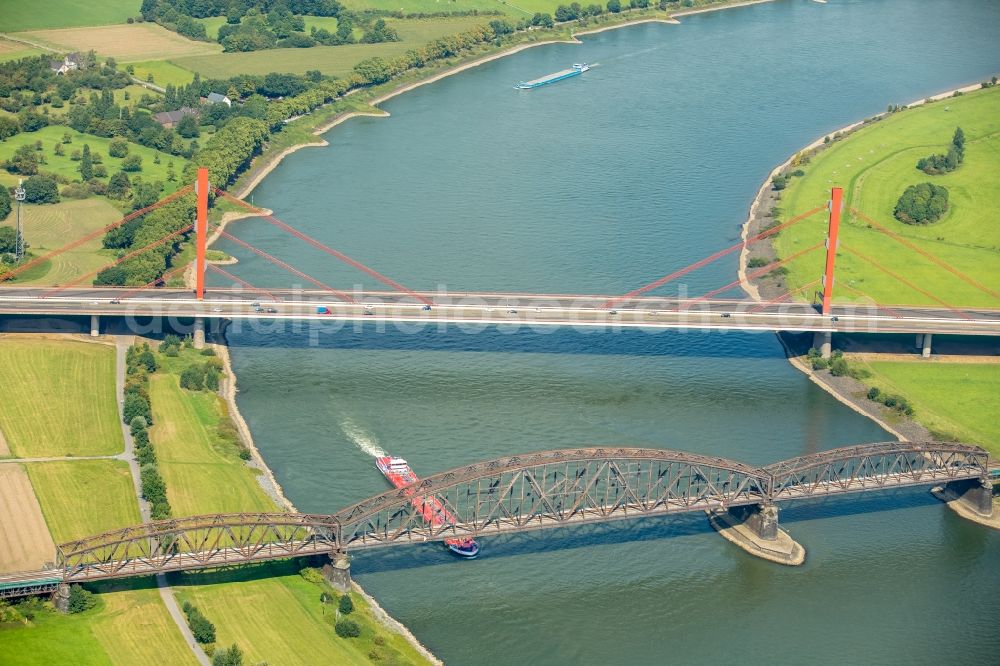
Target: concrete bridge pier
(95, 325)
(823, 341)
(755, 529)
(198, 334)
(926, 345)
(337, 571)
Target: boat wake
(362, 439)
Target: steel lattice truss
(518, 493)
(197, 542)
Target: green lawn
(874, 166)
(275, 615)
(50, 226)
(164, 73)
(15, 15)
(129, 626)
(957, 401)
(84, 497)
(63, 165)
(335, 60)
(202, 473)
(59, 398)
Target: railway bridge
(533, 491)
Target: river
(601, 184)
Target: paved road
(484, 309)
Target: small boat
(576, 70)
(430, 508)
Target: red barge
(430, 508)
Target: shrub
(193, 378)
(170, 343)
(100, 171)
(922, 204)
(779, 182)
(838, 367)
(347, 628)
(874, 393)
(132, 163)
(74, 191)
(346, 606)
(203, 630)
(80, 599)
(118, 148)
(245, 453)
(231, 656)
(757, 262)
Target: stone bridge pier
(337, 571)
(754, 528)
(975, 494)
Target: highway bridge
(517, 493)
(477, 309)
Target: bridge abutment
(198, 333)
(337, 572)
(823, 341)
(973, 494)
(755, 529)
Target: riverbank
(852, 392)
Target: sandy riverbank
(841, 388)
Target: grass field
(59, 398)
(137, 41)
(16, 15)
(280, 620)
(84, 497)
(10, 50)
(26, 542)
(874, 166)
(129, 626)
(164, 73)
(335, 60)
(64, 166)
(202, 474)
(957, 401)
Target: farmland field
(15, 15)
(164, 73)
(278, 618)
(129, 626)
(429, 6)
(138, 41)
(84, 497)
(59, 398)
(874, 165)
(201, 477)
(11, 50)
(27, 543)
(334, 60)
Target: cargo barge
(575, 70)
(430, 508)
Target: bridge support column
(198, 334)
(926, 347)
(755, 530)
(919, 343)
(95, 325)
(974, 494)
(823, 341)
(60, 598)
(338, 571)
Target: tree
(922, 204)
(24, 161)
(374, 70)
(203, 630)
(136, 405)
(188, 127)
(346, 606)
(5, 204)
(132, 163)
(347, 628)
(171, 174)
(41, 190)
(614, 6)
(8, 237)
(8, 127)
(86, 167)
(231, 656)
(118, 148)
(119, 186)
(80, 599)
(193, 378)
(211, 377)
(543, 20)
